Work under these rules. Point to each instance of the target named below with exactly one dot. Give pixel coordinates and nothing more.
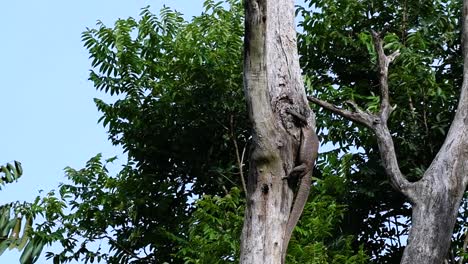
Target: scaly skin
(307, 155)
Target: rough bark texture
(273, 89)
(436, 197)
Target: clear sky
(48, 118)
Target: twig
(242, 158)
(398, 231)
(239, 159)
(465, 244)
(111, 240)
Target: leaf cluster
(10, 173)
(16, 220)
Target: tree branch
(384, 138)
(378, 122)
(383, 63)
(123, 248)
(389, 160)
(240, 161)
(361, 117)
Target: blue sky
(48, 118)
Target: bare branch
(384, 139)
(389, 160)
(243, 156)
(359, 116)
(121, 247)
(465, 244)
(393, 56)
(238, 158)
(378, 123)
(359, 110)
(383, 64)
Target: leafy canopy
(180, 116)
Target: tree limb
(359, 116)
(383, 63)
(377, 122)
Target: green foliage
(15, 232)
(317, 239)
(104, 215)
(217, 223)
(16, 221)
(107, 216)
(215, 230)
(339, 60)
(178, 113)
(10, 173)
(179, 110)
(177, 80)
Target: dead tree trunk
(284, 142)
(436, 197)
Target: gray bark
(273, 87)
(436, 197)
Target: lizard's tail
(297, 208)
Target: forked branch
(377, 122)
(383, 64)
